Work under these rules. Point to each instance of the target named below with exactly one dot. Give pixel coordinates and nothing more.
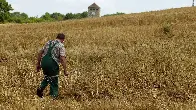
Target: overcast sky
(39, 7)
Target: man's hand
(38, 68)
(65, 73)
(63, 62)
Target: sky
(40, 7)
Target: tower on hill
(94, 11)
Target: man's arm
(63, 62)
(38, 67)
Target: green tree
(24, 15)
(57, 16)
(35, 20)
(15, 14)
(69, 16)
(76, 16)
(18, 17)
(84, 14)
(4, 10)
(118, 13)
(47, 16)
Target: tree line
(19, 17)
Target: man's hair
(60, 36)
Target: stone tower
(94, 11)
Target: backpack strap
(50, 48)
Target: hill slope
(135, 61)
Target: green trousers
(53, 81)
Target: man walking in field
(49, 58)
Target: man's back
(57, 51)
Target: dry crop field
(144, 61)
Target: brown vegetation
(137, 61)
